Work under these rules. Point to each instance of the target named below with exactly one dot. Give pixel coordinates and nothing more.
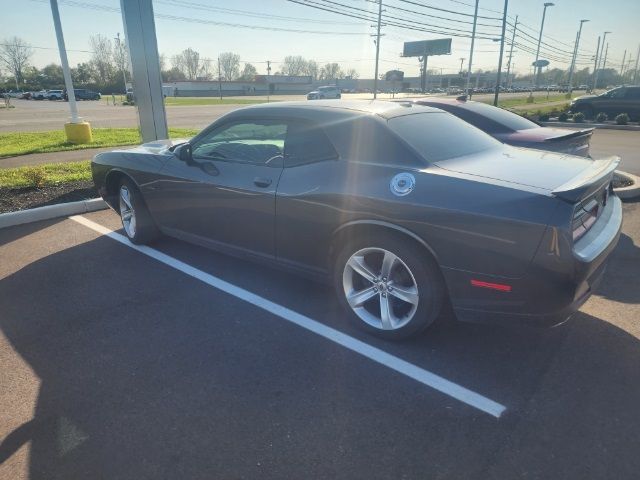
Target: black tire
(145, 230)
(425, 271)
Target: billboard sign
(540, 63)
(440, 46)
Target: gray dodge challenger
(404, 208)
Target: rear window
(486, 115)
(439, 136)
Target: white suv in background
(324, 92)
(55, 95)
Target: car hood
(315, 92)
(520, 166)
(157, 146)
(584, 97)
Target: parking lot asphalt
(115, 365)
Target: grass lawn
(539, 98)
(45, 174)
(22, 143)
(177, 101)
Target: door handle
(262, 182)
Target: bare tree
(352, 73)
(331, 71)
(248, 72)
(15, 54)
(313, 70)
(206, 69)
(102, 57)
(229, 66)
(294, 65)
(162, 60)
(188, 62)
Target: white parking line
(410, 370)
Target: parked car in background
(25, 95)
(513, 129)
(612, 102)
(40, 95)
(327, 92)
(55, 94)
(400, 206)
(83, 94)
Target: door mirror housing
(184, 153)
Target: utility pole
(124, 76)
(635, 73)
(268, 80)
(513, 39)
(473, 39)
(461, 63)
(575, 57)
(606, 53)
(595, 82)
(219, 79)
(595, 65)
(504, 27)
(375, 79)
(538, 69)
(624, 57)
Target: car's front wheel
(389, 286)
(137, 222)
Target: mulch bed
(620, 181)
(12, 199)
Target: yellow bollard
(78, 132)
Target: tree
(102, 58)
(15, 54)
(121, 57)
(174, 74)
(229, 66)
(188, 62)
(162, 60)
(352, 73)
(294, 65)
(248, 72)
(82, 74)
(331, 71)
(312, 69)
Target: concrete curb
(602, 126)
(51, 211)
(632, 191)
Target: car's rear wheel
(136, 219)
(389, 286)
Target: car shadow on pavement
(625, 262)
(146, 373)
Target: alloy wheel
(127, 212)
(380, 288)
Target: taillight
(584, 217)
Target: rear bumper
(562, 277)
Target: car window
(633, 93)
(307, 143)
(439, 136)
(490, 119)
(616, 93)
(256, 142)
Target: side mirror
(184, 153)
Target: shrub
(563, 117)
(543, 117)
(622, 119)
(35, 177)
(601, 117)
(578, 117)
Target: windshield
(439, 136)
(505, 118)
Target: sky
(181, 24)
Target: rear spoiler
(590, 180)
(585, 132)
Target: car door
(611, 102)
(225, 196)
(632, 102)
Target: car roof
(377, 107)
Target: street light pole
(504, 27)
(595, 80)
(595, 65)
(65, 62)
(575, 56)
(624, 58)
(513, 39)
(473, 39)
(124, 75)
(375, 79)
(544, 13)
(635, 73)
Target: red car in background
(513, 129)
